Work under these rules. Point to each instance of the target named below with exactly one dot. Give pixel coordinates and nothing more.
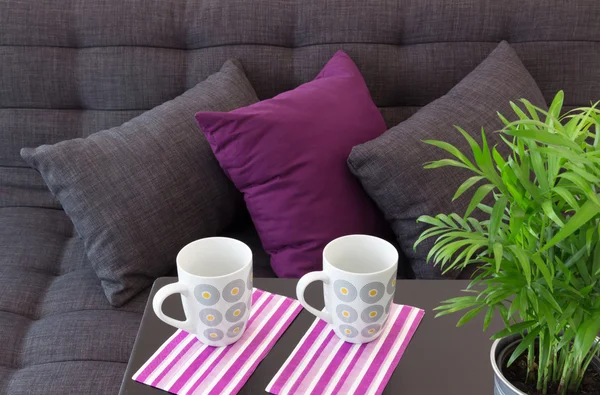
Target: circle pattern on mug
(235, 330)
(346, 313)
(348, 331)
(388, 305)
(372, 292)
(391, 286)
(370, 330)
(213, 334)
(250, 280)
(210, 317)
(372, 314)
(235, 312)
(206, 294)
(345, 291)
(234, 291)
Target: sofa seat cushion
(58, 332)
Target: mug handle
(160, 297)
(301, 287)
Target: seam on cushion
(65, 313)
(33, 270)
(15, 167)
(401, 44)
(147, 109)
(79, 109)
(62, 361)
(37, 207)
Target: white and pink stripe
(183, 365)
(324, 364)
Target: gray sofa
(71, 68)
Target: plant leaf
(475, 224)
(514, 306)
(431, 221)
(548, 208)
(431, 232)
(518, 111)
(581, 183)
(545, 345)
(478, 196)
(447, 220)
(451, 150)
(498, 255)
(588, 211)
(517, 218)
(500, 162)
(538, 168)
(567, 196)
(496, 217)
(469, 315)
(543, 137)
(515, 328)
(586, 335)
(541, 266)
(548, 297)
(472, 143)
(446, 162)
(533, 110)
(523, 260)
(523, 345)
(596, 260)
(555, 106)
(466, 185)
(489, 315)
(583, 173)
(548, 314)
(459, 220)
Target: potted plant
(538, 249)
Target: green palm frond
(538, 249)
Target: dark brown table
(440, 359)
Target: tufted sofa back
(70, 68)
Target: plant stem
(530, 363)
(546, 377)
(562, 360)
(555, 365)
(540, 375)
(541, 239)
(564, 380)
(588, 359)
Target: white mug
(359, 280)
(215, 283)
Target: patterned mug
(215, 283)
(359, 281)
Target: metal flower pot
(501, 350)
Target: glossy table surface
(440, 359)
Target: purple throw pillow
(288, 154)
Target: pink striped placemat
(183, 365)
(322, 363)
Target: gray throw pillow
(390, 167)
(139, 192)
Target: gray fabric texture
(139, 192)
(390, 167)
(71, 68)
(58, 332)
